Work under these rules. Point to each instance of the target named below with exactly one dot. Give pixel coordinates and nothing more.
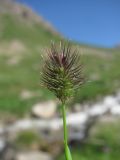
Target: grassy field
(101, 67)
(25, 76)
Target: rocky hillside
(24, 15)
(21, 28)
(23, 37)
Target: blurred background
(30, 119)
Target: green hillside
(22, 41)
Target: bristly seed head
(61, 72)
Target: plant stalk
(64, 124)
(67, 151)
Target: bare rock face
(26, 94)
(33, 155)
(44, 109)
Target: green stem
(64, 124)
(67, 151)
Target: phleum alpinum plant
(62, 74)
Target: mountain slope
(23, 36)
(19, 22)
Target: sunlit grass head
(62, 70)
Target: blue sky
(94, 22)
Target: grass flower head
(61, 72)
